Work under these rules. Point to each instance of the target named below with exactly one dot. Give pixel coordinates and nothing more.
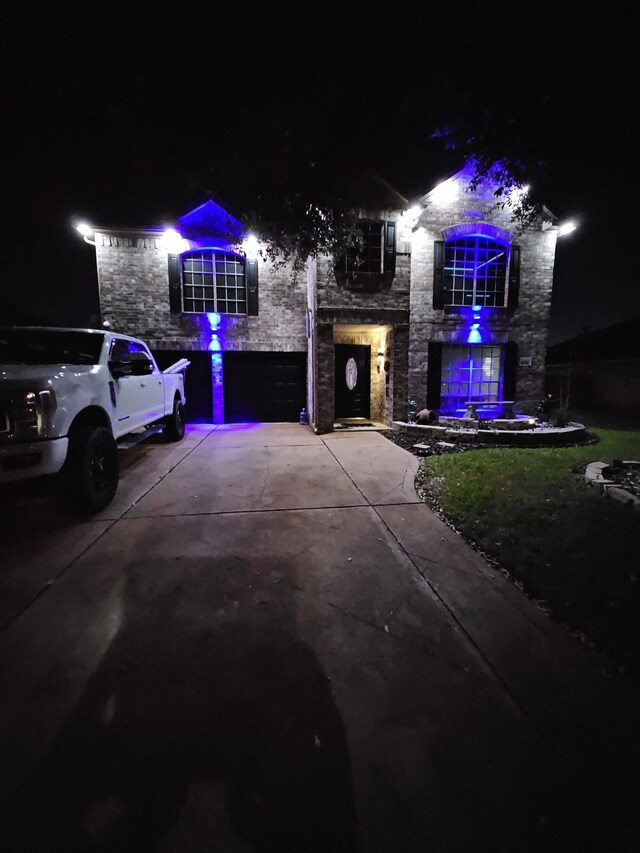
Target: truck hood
(37, 377)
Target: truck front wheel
(92, 470)
(174, 423)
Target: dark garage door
(197, 383)
(264, 386)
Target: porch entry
(352, 381)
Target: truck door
(151, 385)
(139, 400)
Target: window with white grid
(469, 373)
(214, 281)
(475, 271)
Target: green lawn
(572, 549)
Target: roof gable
(451, 188)
(209, 219)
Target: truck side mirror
(141, 368)
(140, 364)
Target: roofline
(392, 189)
(153, 230)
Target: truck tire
(91, 470)
(174, 423)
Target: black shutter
(438, 274)
(175, 292)
(390, 250)
(510, 371)
(514, 277)
(434, 375)
(251, 273)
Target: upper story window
(475, 269)
(213, 281)
(369, 256)
(371, 263)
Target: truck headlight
(32, 412)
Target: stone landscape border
(598, 474)
(538, 436)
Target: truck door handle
(143, 384)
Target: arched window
(475, 270)
(476, 264)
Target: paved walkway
(268, 643)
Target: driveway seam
(438, 597)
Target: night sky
(125, 116)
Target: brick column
(325, 379)
(400, 365)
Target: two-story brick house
(445, 301)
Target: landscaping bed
(531, 514)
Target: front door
(353, 381)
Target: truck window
(49, 346)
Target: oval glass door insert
(351, 374)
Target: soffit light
(250, 246)
(517, 194)
(173, 242)
(411, 216)
(566, 228)
(445, 191)
(86, 231)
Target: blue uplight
(214, 321)
(217, 382)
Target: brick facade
(396, 318)
(134, 299)
(526, 325)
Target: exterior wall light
(173, 242)
(566, 228)
(250, 246)
(446, 191)
(86, 232)
(517, 194)
(409, 218)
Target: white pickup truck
(70, 398)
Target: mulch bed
(627, 478)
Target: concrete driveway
(268, 643)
